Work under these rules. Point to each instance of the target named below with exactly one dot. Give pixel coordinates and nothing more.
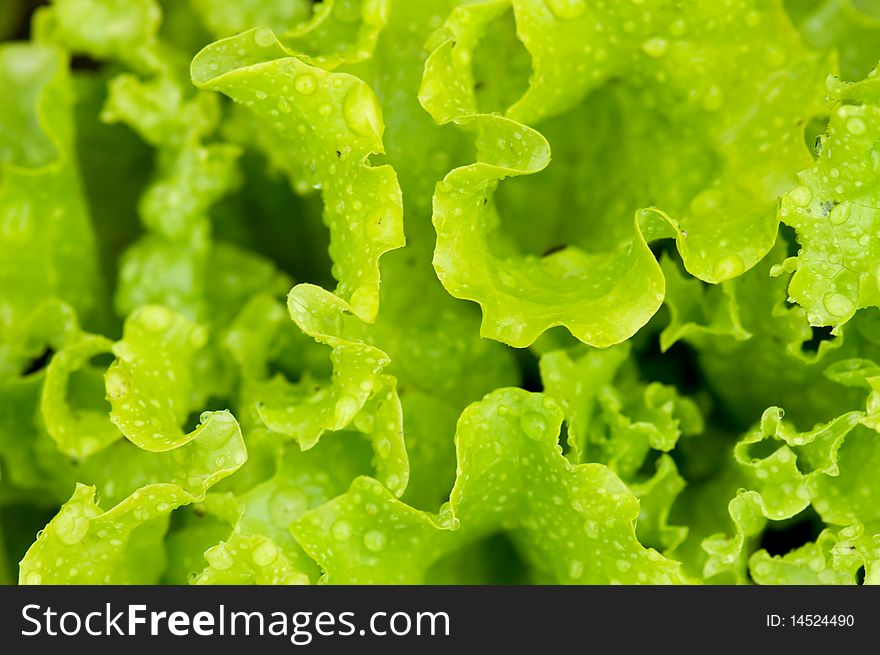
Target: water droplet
(374, 540)
(264, 37)
(33, 578)
(533, 425)
(837, 304)
(265, 553)
(362, 112)
(305, 84)
(856, 126)
(576, 569)
(728, 266)
(839, 214)
(283, 106)
(341, 530)
(447, 517)
(851, 531)
(218, 432)
(219, 557)
(71, 526)
(567, 8)
(392, 482)
(383, 448)
(801, 196)
(346, 407)
(116, 384)
(591, 528)
(655, 47)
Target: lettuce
(485, 291)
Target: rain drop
(346, 407)
(801, 196)
(839, 214)
(533, 425)
(655, 47)
(305, 84)
(374, 540)
(116, 384)
(264, 37)
(71, 527)
(362, 113)
(219, 557)
(265, 553)
(856, 126)
(728, 266)
(341, 530)
(837, 304)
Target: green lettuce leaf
(79, 430)
(713, 191)
(333, 124)
(84, 544)
(498, 291)
(560, 515)
(47, 249)
(150, 386)
(834, 558)
(835, 211)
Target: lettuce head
(445, 292)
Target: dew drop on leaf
(305, 84)
(374, 540)
(533, 425)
